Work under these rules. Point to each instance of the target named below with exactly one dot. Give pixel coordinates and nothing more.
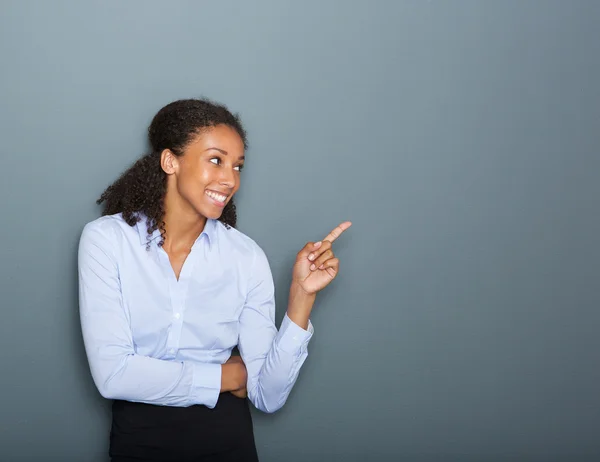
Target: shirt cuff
(206, 384)
(291, 338)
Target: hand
(234, 376)
(240, 392)
(316, 265)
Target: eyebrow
(222, 151)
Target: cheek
(194, 176)
(190, 184)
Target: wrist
(299, 297)
(300, 305)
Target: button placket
(179, 291)
(176, 318)
(172, 285)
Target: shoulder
(241, 244)
(107, 232)
(108, 225)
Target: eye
(215, 160)
(239, 168)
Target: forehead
(220, 137)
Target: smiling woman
(168, 287)
(197, 127)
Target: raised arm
(273, 358)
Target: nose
(227, 178)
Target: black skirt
(145, 432)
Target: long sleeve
(117, 371)
(273, 358)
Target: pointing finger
(337, 232)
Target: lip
(216, 202)
(226, 194)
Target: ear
(169, 162)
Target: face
(207, 175)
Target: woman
(168, 287)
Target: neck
(183, 224)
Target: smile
(216, 196)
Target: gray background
(460, 137)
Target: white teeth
(216, 196)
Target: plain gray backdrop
(460, 137)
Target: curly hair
(141, 189)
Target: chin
(211, 212)
(207, 210)
(214, 216)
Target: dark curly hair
(140, 190)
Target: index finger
(337, 232)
